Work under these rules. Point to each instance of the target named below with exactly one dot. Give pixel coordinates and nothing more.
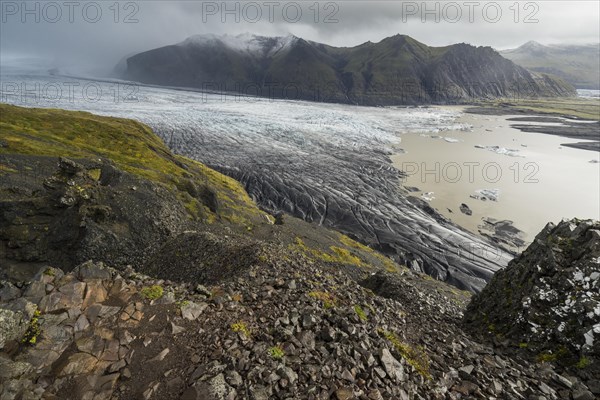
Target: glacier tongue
(325, 163)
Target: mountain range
(396, 70)
(577, 64)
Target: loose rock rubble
(285, 328)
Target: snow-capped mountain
(397, 70)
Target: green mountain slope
(397, 70)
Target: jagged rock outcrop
(397, 70)
(547, 300)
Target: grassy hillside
(588, 109)
(132, 146)
(34, 137)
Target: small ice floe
(486, 194)
(451, 140)
(500, 150)
(427, 196)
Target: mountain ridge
(578, 64)
(396, 70)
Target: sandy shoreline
(538, 179)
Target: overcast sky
(78, 38)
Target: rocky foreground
(163, 280)
(284, 329)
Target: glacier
(325, 163)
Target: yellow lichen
(241, 327)
(414, 356)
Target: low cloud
(80, 40)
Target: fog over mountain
(577, 64)
(396, 70)
(96, 47)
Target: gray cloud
(80, 45)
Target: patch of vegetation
(49, 272)
(241, 327)
(276, 352)
(345, 257)
(95, 173)
(523, 345)
(567, 107)
(33, 330)
(182, 303)
(360, 312)
(338, 254)
(546, 357)
(388, 264)
(416, 357)
(5, 169)
(132, 146)
(549, 356)
(329, 300)
(153, 292)
(583, 362)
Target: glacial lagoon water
(534, 177)
(338, 165)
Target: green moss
(33, 330)
(553, 356)
(49, 272)
(583, 362)
(388, 264)
(338, 255)
(132, 146)
(276, 352)
(5, 169)
(182, 303)
(95, 173)
(546, 357)
(241, 327)
(329, 300)
(416, 357)
(360, 312)
(523, 345)
(153, 292)
(345, 257)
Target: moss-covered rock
(548, 298)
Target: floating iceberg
(500, 150)
(428, 196)
(486, 194)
